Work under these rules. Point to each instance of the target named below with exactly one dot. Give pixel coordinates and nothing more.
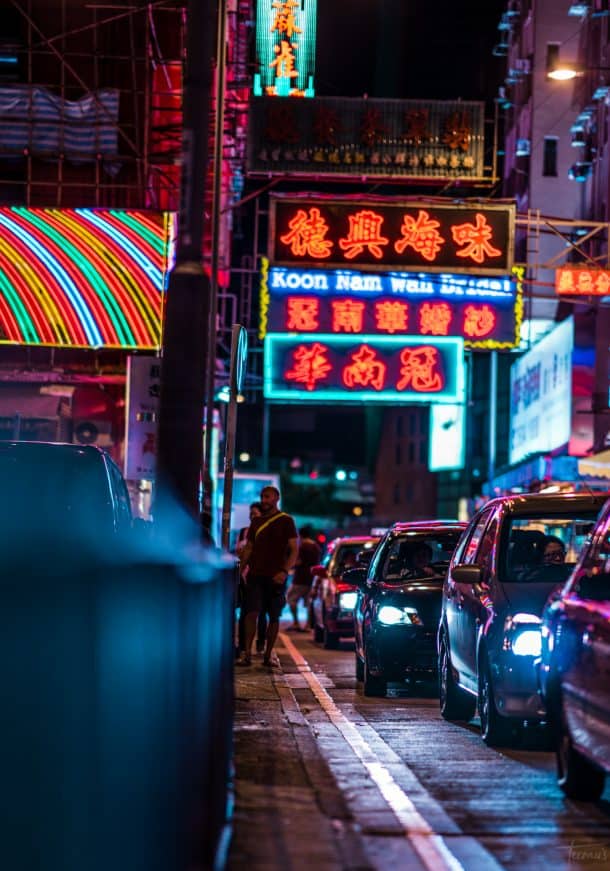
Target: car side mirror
(318, 570)
(471, 576)
(355, 577)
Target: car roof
(46, 447)
(353, 539)
(525, 503)
(432, 525)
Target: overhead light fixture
(578, 10)
(500, 50)
(580, 171)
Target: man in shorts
(270, 554)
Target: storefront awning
(597, 465)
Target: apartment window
(396, 494)
(549, 161)
(398, 454)
(411, 452)
(399, 425)
(552, 55)
(423, 453)
(412, 423)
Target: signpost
(239, 352)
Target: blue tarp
(33, 118)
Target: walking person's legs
(261, 631)
(274, 598)
(252, 606)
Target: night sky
(425, 49)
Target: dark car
(60, 491)
(332, 599)
(575, 669)
(493, 597)
(399, 603)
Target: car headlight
(390, 615)
(523, 635)
(347, 601)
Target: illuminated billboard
(578, 281)
(285, 48)
(83, 278)
(368, 368)
(388, 234)
(485, 310)
(541, 395)
(447, 441)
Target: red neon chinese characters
(347, 316)
(434, 318)
(310, 365)
(393, 317)
(418, 370)
(479, 321)
(476, 239)
(365, 370)
(364, 232)
(422, 235)
(302, 313)
(306, 236)
(285, 21)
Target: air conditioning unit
(92, 432)
(523, 65)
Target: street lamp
(564, 72)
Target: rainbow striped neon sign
(83, 278)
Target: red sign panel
(391, 235)
(575, 281)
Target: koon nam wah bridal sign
(392, 234)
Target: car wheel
(496, 730)
(373, 686)
(576, 776)
(456, 703)
(359, 668)
(331, 640)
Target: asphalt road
(406, 773)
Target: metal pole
(221, 69)
(239, 344)
(266, 424)
(493, 409)
(183, 371)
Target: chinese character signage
(143, 384)
(485, 310)
(392, 235)
(355, 136)
(579, 281)
(285, 48)
(321, 368)
(541, 395)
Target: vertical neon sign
(285, 48)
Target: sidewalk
(289, 813)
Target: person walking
(261, 627)
(270, 553)
(308, 556)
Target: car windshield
(542, 548)
(346, 556)
(418, 555)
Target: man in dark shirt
(308, 556)
(270, 554)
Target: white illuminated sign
(446, 437)
(541, 395)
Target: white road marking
(431, 847)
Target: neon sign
(390, 235)
(285, 48)
(574, 281)
(83, 278)
(321, 367)
(485, 311)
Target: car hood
(417, 586)
(527, 598)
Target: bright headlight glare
(390, 615)
(347, 601)
(527, 642)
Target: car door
(364, 605)
(463, 606)
(586, 682)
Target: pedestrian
(261, 627)
(270, 554)
(300, 588)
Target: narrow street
(376, 783)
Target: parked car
(495, 590)
(60, 491)
(332, 599)
(399, 603)
(575, 669)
